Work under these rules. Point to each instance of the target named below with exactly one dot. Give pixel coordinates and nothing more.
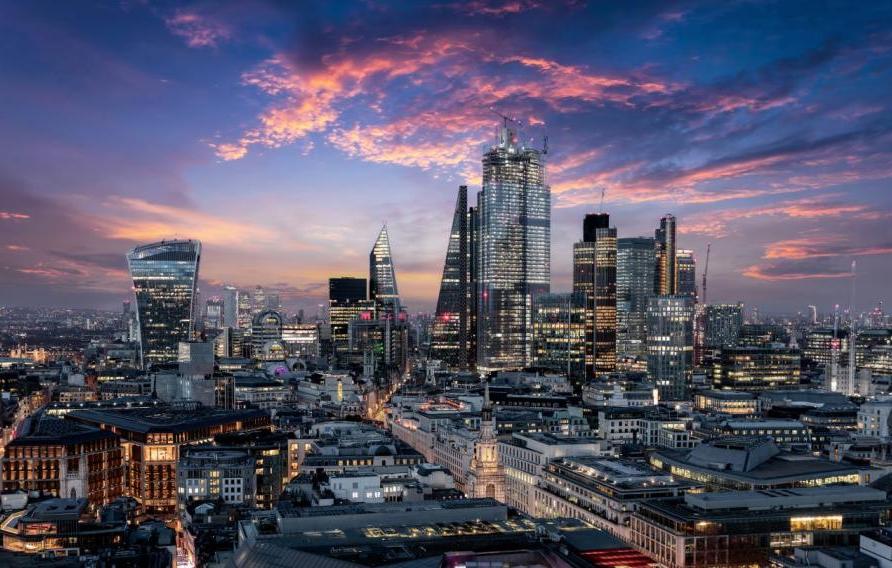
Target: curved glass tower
(382, 277)
(164, 275)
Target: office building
(382, 277)
(666, 274)
(213, 313)
(635, 274)
(686, 272)
(207, 474)
(722, 323)
(164, 276)
(346, 301)
(65, 459)
(453, 331)
(602, 491)
(670, 344)
(514, 209)
(301, 340)
(266, 336)
(742, 528)
(754, 463)
(230, 306)
(559, 331)
(756, 368)
(151, 439)
(594, 276)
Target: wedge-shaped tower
(382, 277)
(451, 333)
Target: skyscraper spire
(382, 276)
(451, 332)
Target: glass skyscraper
(164, 276)
(452, 329)
(670, 344)
(559, 333)
(634, 288)
(594, 276)
(382, 277)
(666, 277)
(514, 209)
(686, 273)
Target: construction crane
(603, 191)
(706, 271)
(852, 336)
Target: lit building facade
(453, 329)
(266, 336)
(666, 276)
(65, 459)
(594, 275)
(164, 276)
(559, 326)
(514, 209)
(382, 276)
(346, 301)
(686, 272)
(757, 368)
(722, 323)
(635, 269)
(151, 440)
(670, 344)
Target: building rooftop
(48, 430)
(784, 498)
(165, 418)
(369, 508)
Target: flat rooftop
(165, 418)
(370, 508)
(784, 498)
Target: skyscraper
(559, 332)
(670, 344)
(382, 277)
(213, 316)
(346, 300)
(686, 274)
(230, 306)
(452, 327)
(164, 282)
(722, 323)
(634, 287)
(594, 275)
(514, 209)
(666, 276)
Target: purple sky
(282, 136)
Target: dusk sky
(283, 134)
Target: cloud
(199, 30)
(16, 248)
(775, 272)
(10, 215)
(797, 249)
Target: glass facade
(722, 325)
(451, 330)
(514, 211)
(666, 277)
(559, 325)
(164, 283)
(634, 287)
(685, 269)
(594, 275)
(382, 277)
(670, 344)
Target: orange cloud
(763, 272)
(796, 249)
(16, 248)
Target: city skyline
(283, 151)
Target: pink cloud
(13, 216)
(197, 29)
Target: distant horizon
(282, 137)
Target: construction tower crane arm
(706, 271)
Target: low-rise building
(741, 528)
(207, 473)
(727, 402)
